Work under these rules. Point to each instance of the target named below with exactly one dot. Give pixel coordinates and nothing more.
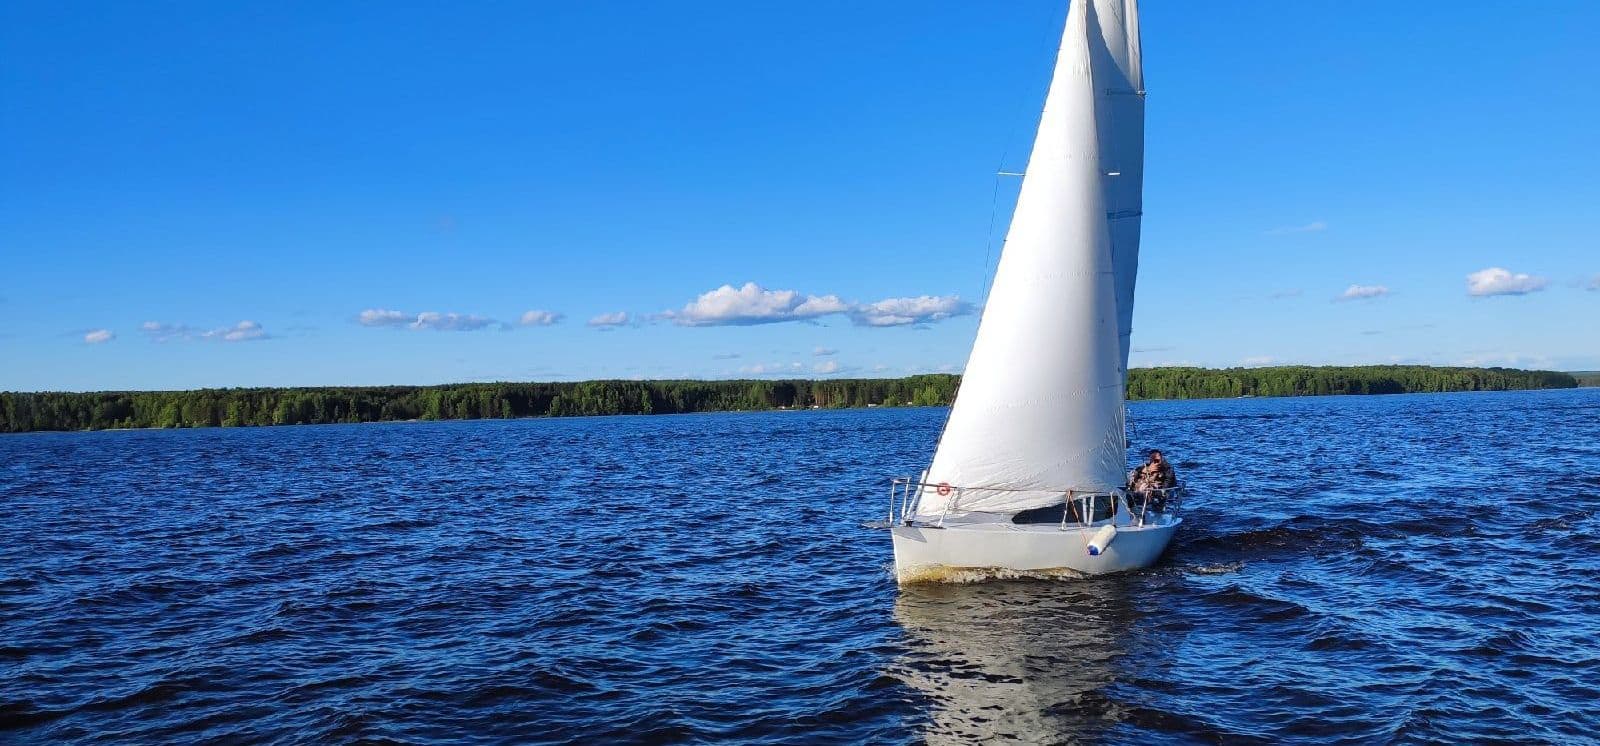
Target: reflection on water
(1026, 661)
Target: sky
(199, 194)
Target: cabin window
(1098, 507)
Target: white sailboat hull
(926, 553)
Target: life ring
(943, 489)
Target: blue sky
(230, 194)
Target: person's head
(1156, 457)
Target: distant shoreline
(254, 407)
(1586, 378)
(806, 410)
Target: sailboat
(1028, 474)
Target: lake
(1401, 568)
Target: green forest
(246, 407)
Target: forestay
(1040, 409)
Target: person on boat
(1152, 479)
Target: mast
(1040, 410)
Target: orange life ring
(944, 489)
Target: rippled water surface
(1373, 569)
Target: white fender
(1102, 539)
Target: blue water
(1409, 568)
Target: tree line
(1305, 380)
(247, 407)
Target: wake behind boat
(1028, 475)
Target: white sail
(1040, 409)
(1119, 77)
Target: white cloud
(753, 304)
(450, 322)
(1315, 226)
(824, 352)
(826, 367)
(434, 320)
(1258, 361)
(1594, 283)
(244, 331)
(383, 317)
(1363, 292)
(162, 332)
(539, 318)
(820, 306)
(98, 336)
(906, 311)
(610, 320)
(1499, 281)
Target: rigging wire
(1053, 22)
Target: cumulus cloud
(610, 320)
(1258, 361)
(1363, 292)
(753, 304)
(98, 336)
(824, 352)
(826, 367)
(244, 331)
(905, 311)
(1500, 281)
(539, 318)
(434, 320)
(1594, 283)
(1315, 226)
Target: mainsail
(1040, 409)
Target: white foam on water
(966, 575)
